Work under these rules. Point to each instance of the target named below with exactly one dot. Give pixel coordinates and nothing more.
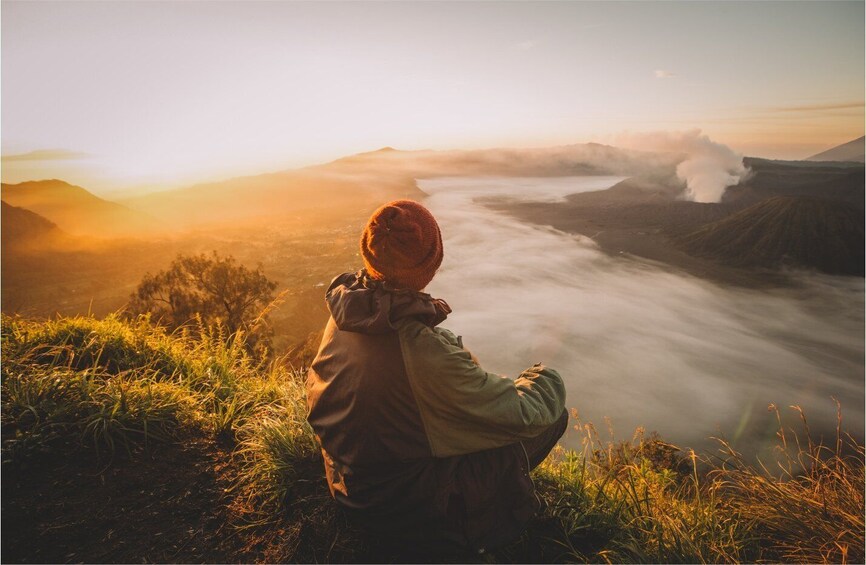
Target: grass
(116, 388)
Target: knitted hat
(402, 245)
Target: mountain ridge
(76, 210)
(854, 151)
(24, 228)
(796, 231)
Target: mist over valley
(660, 308)
(663, 203)
(637, 342)
(593, 259)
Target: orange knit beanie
(402, 245)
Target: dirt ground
(175, 503)
(167, 505)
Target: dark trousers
(540, 446)
(481, 499)
(492, 495)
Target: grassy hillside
(122, 443)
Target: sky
(127, 96)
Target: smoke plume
(708, 167)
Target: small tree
(215, 288)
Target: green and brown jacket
(418, 440)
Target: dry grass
(808, 507)
(645, 501)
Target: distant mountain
(852, 151)
(283, 196)
(562, 160)
(359, 183)
(655, 200)
(802, 232)
(76, 210)
(784, 213)
(21, 227)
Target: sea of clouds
(641, 343)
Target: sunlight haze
(432, 281)
(125, 96)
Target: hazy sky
(121, 94)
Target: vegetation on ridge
(85, 391)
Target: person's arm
(464, 408)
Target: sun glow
(157, 95)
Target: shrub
(214, 291)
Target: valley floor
(620, 235)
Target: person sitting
(420, 443)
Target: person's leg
(493, 495)
(538, 447)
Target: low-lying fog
(638, 342)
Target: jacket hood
(359, 303)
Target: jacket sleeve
(466, 409)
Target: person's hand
(473, 357)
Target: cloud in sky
(821, 107)
(664, 74)
(46, 155)
(527, 45)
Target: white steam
(638, 342)
(708, 168)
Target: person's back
(420, 443)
